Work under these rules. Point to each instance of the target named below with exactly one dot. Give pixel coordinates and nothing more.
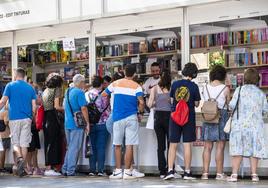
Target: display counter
(146, 154)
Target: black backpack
(93, 111)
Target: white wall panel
(139, 22)
(70, 9)
(91, 8)
(6, 39)
(27, 13)
(57, 32)
(227, 10)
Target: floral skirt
(214, 131)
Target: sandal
(204, 176)
(255, 178)
(232, 178)
(220, 177)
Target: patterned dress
(247, 137)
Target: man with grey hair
(22, 106)
(74, 101)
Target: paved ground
(87, 182)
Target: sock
(170, 169)
(129, 171)
(118, 170)
(187, 171)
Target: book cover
(245, 37)
(254, 58)
(161, 45)
(259, 57)
(248, 37)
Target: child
(5, 139)
(189, 91)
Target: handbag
(228, 125)
(2, 126)
(88, 147)
(210, 111)
(39, 118)
(150, 121)
(79, 119)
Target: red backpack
(181, 114)
(39, 118)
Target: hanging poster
(68, 44)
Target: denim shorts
(127, 128)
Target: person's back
(20, 96)
(126, 93)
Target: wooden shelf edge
(141, 54)
(248, 66)
(222, 47)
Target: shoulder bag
(228, 125)
(79, 119)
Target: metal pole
(14, 63)
(185, 39)
(92, 54)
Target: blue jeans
(74, 143)
(98, 137)
(109, 126)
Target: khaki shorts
(21, 135)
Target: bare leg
(207, 156)
(236, 161)
(187, 155)
(172, 155)
(129, 156)
(2, 159)
(29, 160)
(17, 151)
(24, 152)
(254, 164)
(118, 156)
(220, 156)
(34, 158)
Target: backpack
(210, 111)
(181, 114)
(39, 118)
(93, 111)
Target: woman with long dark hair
(52, 129)
(160, 101)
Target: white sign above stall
(22, 14)
(68, 44)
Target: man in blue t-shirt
(74, 101)
(183, 89)
(22, 106)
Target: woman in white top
(212, 132)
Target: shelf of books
(5, 67)
(51, 57)
(242, 49)
(166, 51)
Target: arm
(197, 97)
(228, 95)
(141, 104)
(151, 101)
(3, 101)
(234, 99)
(34, 106)
(85, 114)
(57, 105)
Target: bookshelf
(171, 52)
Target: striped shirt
(126, 93)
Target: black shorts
(188, 132)
(35, 143)
(6, 143)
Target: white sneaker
(117, 174)
(137, 174)
(177, 176)
(162, 176)
(52, 173)
(128, 175)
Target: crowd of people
(121, 102)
